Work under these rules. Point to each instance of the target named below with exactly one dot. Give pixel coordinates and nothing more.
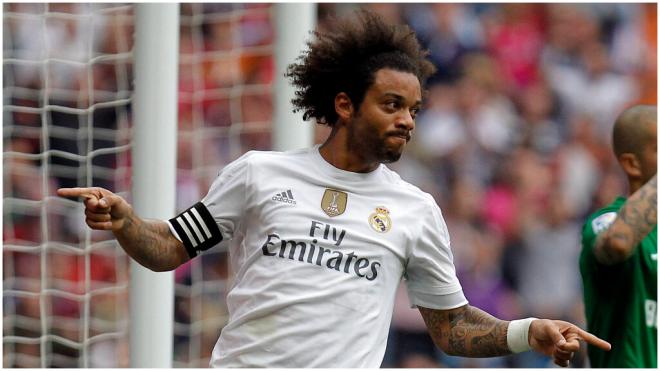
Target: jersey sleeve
(430, 273)
(217, 216)
(590, 230)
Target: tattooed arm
(149, 242)
(466, 331)
(470, 332)
(634, 221)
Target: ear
(344, 106)
(631, 165)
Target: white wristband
(517, 335)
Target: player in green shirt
(619, 259)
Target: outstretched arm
(470, 332)
(634, 221)
(149, 242)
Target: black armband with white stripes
(197, 229)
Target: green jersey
(620, 300)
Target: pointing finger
(77, 192)
(69, 192)
(593, 339)
(95, 198)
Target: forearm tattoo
(467, 331)
(149, 242)
(634, 221)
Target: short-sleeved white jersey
(318, 253)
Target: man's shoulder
(255, 157)
(409, 189)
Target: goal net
(67, 122)
(66, 90)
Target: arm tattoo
(467, 331)
(151, 244)
(634, 221)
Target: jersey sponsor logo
(285, 197)
(317, 251)
(601, 223)
(654, 256)
(333, 202)
(380, 220)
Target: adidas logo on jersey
(286, 197)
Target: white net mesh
(67, 122)
(66, 91)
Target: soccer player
(320, 238)
(619, 259)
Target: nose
(405, 121)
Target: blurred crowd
(513, 143)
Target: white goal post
(154, 181)
(293, 22)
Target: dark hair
(346, 58)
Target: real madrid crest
(380, 220)
(333, 202)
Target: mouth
(403, 136)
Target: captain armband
(517, 335)
(196, 228)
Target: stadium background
(513, 144)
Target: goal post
(293, 22)
(154, 176)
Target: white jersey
(318, 254)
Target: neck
(634, 185)
(337, 151)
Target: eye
(414, 112)
(392, 105)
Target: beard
(372, 147)
(389, 155)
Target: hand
(104, 210)
(560, 339)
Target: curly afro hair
(347, 58)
